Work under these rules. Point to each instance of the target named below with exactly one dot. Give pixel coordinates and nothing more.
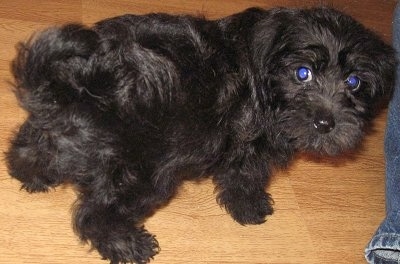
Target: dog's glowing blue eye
(353, 82)
(304, 74)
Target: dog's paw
(138, 247)
(247, 208)
(35, 186)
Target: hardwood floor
(325, 211)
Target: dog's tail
(48, 68)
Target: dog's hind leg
(114, 226)
(30, 157)
(112, 208)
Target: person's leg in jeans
(384, 246)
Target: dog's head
(322, 74)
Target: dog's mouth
(324, 133)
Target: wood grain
(326, 210)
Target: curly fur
(127, 109)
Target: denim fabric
(384, 247)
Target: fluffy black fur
(127, 109)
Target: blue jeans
(384, 247)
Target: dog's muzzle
(324, 123)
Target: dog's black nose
(324, 123)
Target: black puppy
(129, 108)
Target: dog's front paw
(247, 208)
(138, 247)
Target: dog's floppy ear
(268, 35)
(266, 45)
